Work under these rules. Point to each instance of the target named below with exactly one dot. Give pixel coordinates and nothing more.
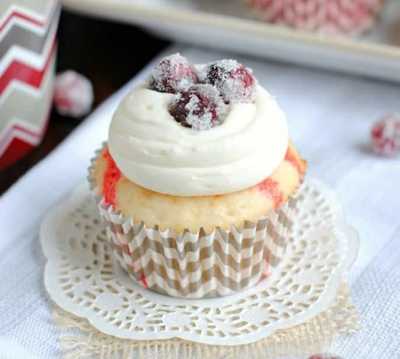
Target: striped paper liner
(195, 265)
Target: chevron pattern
(27, 56)
(37, 102)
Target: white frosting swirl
(153, 150)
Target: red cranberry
(199, 108)
(172, 74)
(236, 82)
(324, 356)
(385, 136)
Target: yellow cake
(209, 212)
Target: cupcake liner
(329, 16)
(196, 265)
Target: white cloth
(329, 119)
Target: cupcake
(195, 179)
(326, 16)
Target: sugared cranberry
(199, 108)
(324, 356)
(73, 94)
(385, 136)
(235, 82)
(173, 74)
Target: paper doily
(81, 278)
(80, 340)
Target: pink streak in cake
(111, 177)
(271, 188)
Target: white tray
(228, 24)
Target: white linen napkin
(329, 119)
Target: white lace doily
(80, 277)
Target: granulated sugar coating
(172, 74)
(199, 108)
(204, 92)
(236, 82)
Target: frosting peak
(153, 150)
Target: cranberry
(199, 108)
(172, 74)
(235, 82)
(324, 356)
(385, 136)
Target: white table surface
(329, 118)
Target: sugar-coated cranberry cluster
(203, 92)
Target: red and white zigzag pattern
(27, 52)
(15, 13)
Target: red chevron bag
(27, 59)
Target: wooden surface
(90, 46)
